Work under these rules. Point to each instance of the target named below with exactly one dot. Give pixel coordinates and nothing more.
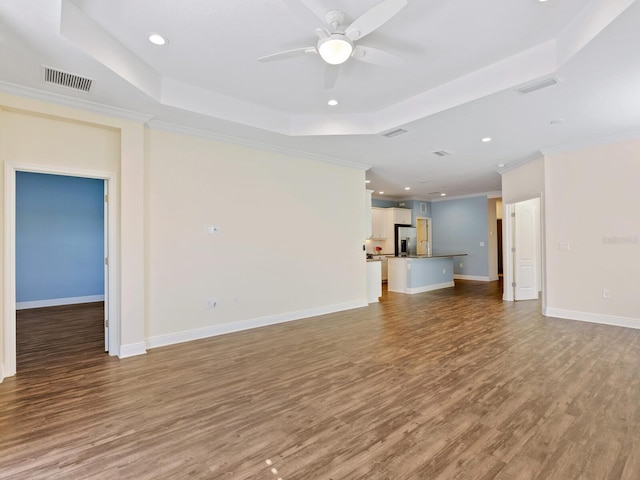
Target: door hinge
(513, 214)
(513, 284)
(106, 322)
(513, 249)
(106, 198)
(106, 260)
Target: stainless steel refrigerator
(406, 243)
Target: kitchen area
(400, 240)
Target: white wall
(290, 241)
(291, 237)
(524, 182)
(592, 198)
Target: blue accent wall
(59, 237)
(380, 203)
(459, 226)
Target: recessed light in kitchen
(486, 139)
(443, 194)
(381, 193)
(367, 181)
(500, 165)
(333, 102)
(157, 39)
(407, 188)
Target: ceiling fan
(337, 43)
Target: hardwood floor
(452, 384)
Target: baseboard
(132, 349)
(592, 317)
(54, 302)
(215, 330)
(477, 278)
(429, 288)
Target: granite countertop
(434, 255)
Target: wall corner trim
(592, 317)
(132, 349)
(1, 372)
(215, 330)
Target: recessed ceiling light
(157, 39)
(333, 102)
(407, 188)
(381, 193)
(486, 139)
(367, 181)
(443, 194)
(500, 165)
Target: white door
(525, 261)
(106, 266)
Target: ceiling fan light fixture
(335, 49)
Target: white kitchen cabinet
(384, 261)
(367, 217)
(379, 223)
(400, 215)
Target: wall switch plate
(212, 302)
(461, 265)
(213, 230)
(606, 293)
(564, 246)
(482, 244)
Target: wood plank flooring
(452, 384)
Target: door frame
(111, 290)
(508, 230)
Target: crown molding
(519, 163)
(494, 194)
(73, 102)
(219, 137)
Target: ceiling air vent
(66, 79)
(394, 133)
(532, 87)
(441, 153)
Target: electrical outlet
(212, 302)
(606, 293)
(236, 300)
(444, 270)
(461, 265)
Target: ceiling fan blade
(305, 14)
(298, 52)
(331, 76)
(374, 18)
(376, 57)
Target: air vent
(532, 87)
(441, 153)
(66, 79)
(394, 133)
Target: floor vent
(394, 133)
(441, 153)
(66, 79)
(532, 87)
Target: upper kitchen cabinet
(367, 212)
(399, 215)
(379, 223)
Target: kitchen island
(421, 273)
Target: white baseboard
(477, 278)
(214, 330)
(54, 302)
(429, 288)
(592, 317)
(132, 349)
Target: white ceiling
(461, 61)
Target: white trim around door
(111, 300)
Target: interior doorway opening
(110, 328)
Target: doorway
(110, 331)
(524, 250)
(60, 267)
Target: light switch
(482, 244)
(213, 230)
(564, 246)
